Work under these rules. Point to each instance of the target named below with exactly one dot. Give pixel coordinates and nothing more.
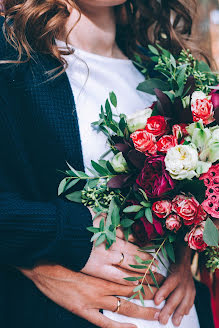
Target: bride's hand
(178, 290)
(114, 264)
(85, 296)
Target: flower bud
(119, 163)
(138, 120)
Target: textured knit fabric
(38, 134)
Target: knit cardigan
(39, 133)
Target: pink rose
(144, 142)
(195, 238)
(189, 209)
(162, 208)
(153, 178)
(202, 109)
(156, 125)
(173, 222)
(166, 142)
(179, 130)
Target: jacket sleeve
(34, 232)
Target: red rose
(166, 142)
(173, 222)
(189, 209)
(156, 125)
(179, 130)
(195, 238)
(202, 109)
(144, 231)
(153, 178)
(144, 142)
(162, 208)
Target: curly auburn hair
(37, 23)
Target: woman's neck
(95, 32)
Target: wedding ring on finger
(118, 305)
(122, 259)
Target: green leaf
(148, 86)
(127, 232)
(100, 240)
(126, 223)
(163, 250)
(132, 209)
(151, 290)
(136, 289)
(61, 187)
(170, 251)
(93, 229)
(146, 204)
(74, 196)
(141, 298)
(153, 278)
(92, 183)
(139, 266)
(108, 111)
(173, 61)
(111, 235)
(101, 170)
(95, 236)
(115, 215)
(113, 99)
(153, 50)
(101, 226)
(203, 67)
(138, 259)
(133, 278)
(133, 296)
(71, 184)
(148, 215)
(140, 214)
(143, 193)
(211, 234)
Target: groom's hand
(84, 296)
(178, 290)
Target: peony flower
(173, 222)
(119, 163)
(156, 125)
(153, 178)
(144, 142)
(166, 142)
(179, 130)
(144, 231)
(189, 209)
(195, 238)
(162, 208)
(138, 120)
(181, 162)
(202, 107)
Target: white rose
(119, 163)
(181, 162)
(198, 95)
(215, 135)
(138, 120)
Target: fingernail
(166, 319)
(178, 321)
(160, 299)
(156, 316)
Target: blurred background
(207, 27)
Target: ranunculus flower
(189, 209)
(144, 231)
(181, 162)
(166, 142)
(156, 125)
(202, 107)
(119, 163)
(173, 222)
(144, 142)
(195, 238)
(153, 178)
(138, 120)
(162, 208)
(179, 130)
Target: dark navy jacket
(38, 133)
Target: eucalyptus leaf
(132, 209)
(100, 240)
(113, 99)
(153, 278)
(93, 229)
(95, 236)
(211, 234)
(74, 196)
(62, 186)
(170, 251)
(126, 223)
(148, 215)
(148, 86)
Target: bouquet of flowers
(162, 183)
